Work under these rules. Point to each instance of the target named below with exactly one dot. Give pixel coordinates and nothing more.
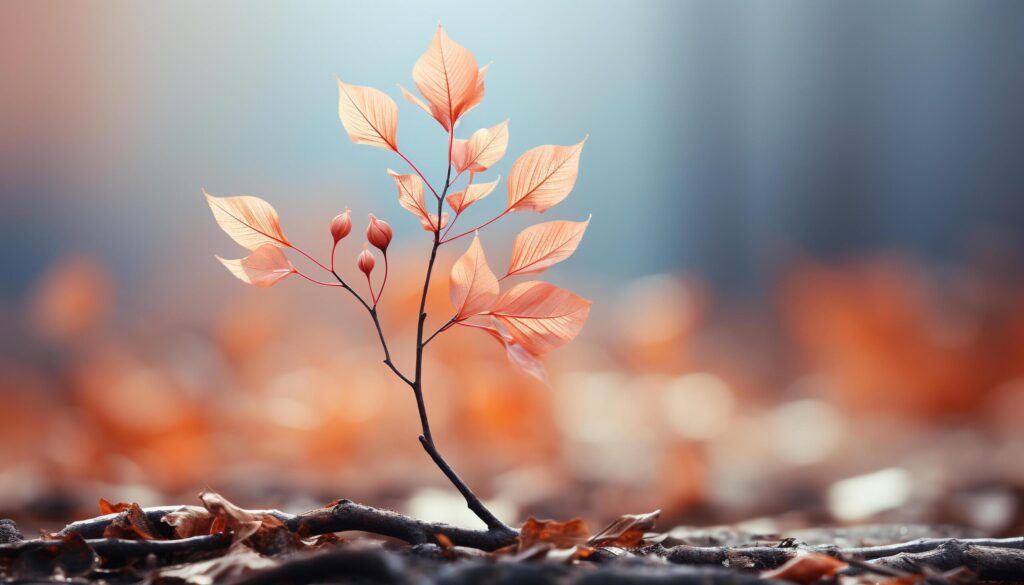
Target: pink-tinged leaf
(540, 316)
(483, 149)
(518, 355)
(543, 176)
(448, 78)
(541, 246)
(415, 100)
(475, 192)
(527, 362)
(478, 96)
(264, 268)
(249, 220)
(369, 115)
(472, 286)
(410, 196)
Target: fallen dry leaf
(557, 534)
(244, 523)
(131, 523)
(806, 568)
(627, 531)
(108, 508)
(259, 529)
(190, 521)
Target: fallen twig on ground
(343, 516)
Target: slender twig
(429, 186)
(315, 281)
(943, 553)
(121, 549)
(475, 326)
(440, 329)
(343, 516)
(312, 259)
(376, 323)
(459, 212)
(369, 288)
(384, 281)
(426, 439)
(479, 227)
(770, 557)
(456, 179)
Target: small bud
(365, 261)
(341, 225)
(378, 233)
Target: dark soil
(133, 546)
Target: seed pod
(365, 262)
(341, 225)
(378, 233)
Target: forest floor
(345, 542)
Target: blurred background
(805, 259)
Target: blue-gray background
(726, 138)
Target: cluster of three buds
(378, 233)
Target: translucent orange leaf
(518, 356)
(448, 78)
(475, 192)
(483, 149)
(415, 100)
(410, 196)
(538, 247)
(472, 286)
(264, 268)
(525, 361)
(540, 316)
(250, 221)
(369, 115)
(543, 176)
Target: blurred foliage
(673, 399)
